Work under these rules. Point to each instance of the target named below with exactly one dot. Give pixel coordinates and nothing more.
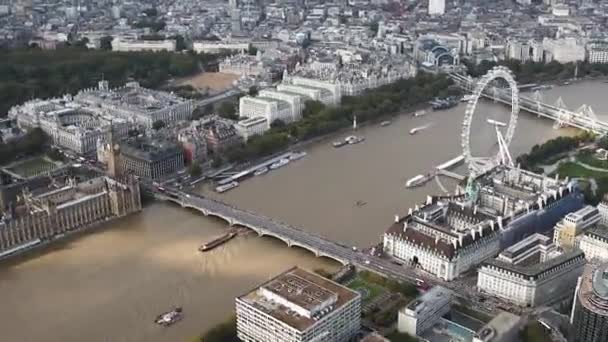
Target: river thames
(110, 285)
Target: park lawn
(574, 170)
(590, 159)
(33, 166)
(373, 290)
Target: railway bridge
(583, 118)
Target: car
(367, 262)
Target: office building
(589, 316)
(331, 93)
(594, 243)
(127, 45)
(250, 127)
(308, 93)
(505, 327)
(136, 104)
(69, 124)
(150, 159)
(532, 272)
(602, 207)
(298, 306)
(565, 50)
(423, 312)
(269, 108)
(450, 234)
(597, 52)
(436, 7)
(219, 46)
(293, 100)
(573, 224)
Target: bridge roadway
(292, 236)
(321, 246)
(585, 120)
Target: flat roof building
(594, 243)
(298, 305)
(532, 272)
(150, 159)
(573, 224)
(423, 312)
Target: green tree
(252, 50)
(33, 73)
(603, 142)
(180, 43)
(195, 169)
(374, 27)
(253, 91)
(278, 123)
(105, 42)
(228, 111)
(312, 107)
(158, 125)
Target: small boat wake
(420, 128)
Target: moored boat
(339, 143)
(226, 187)
(417, 180)
(279, 164)
(353, 139)
(385, 123)
(297, 155)
(260, 171)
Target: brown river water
(109, 285)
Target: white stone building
(603, 209)
(250, 127)
(294, 101)
(309, 93)
(531, 273)
(564, 50)
(327, 86)
(266, 107)
(125, 45)
(298, 306)
(216, 47)
(137, 104)
(445, 252)
(245, 65)
(69, 124)
(597, 53)
(594, 243)
(446, 236)
(436, 7)
(423, 312)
